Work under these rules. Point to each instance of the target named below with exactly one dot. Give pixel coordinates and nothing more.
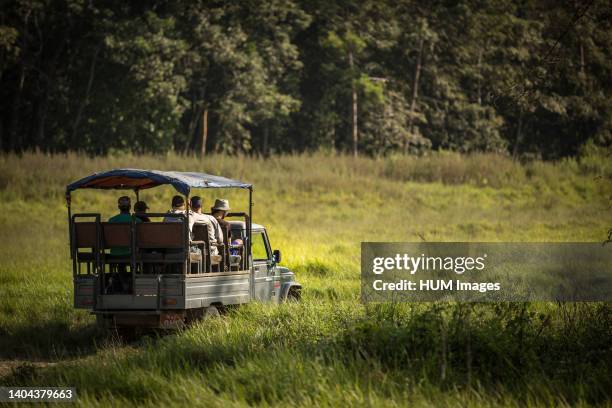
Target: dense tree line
(522, 77)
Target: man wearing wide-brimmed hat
(215, 235)
(221, 205)
(219, 211)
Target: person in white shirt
(178, 207)
(215, 235)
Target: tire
(104, 323)
(211, 312)
(126, 334)
(293, 296)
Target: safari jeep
(168, 275)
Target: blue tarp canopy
(135, 179)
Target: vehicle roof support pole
(133, 251)
(187, 263)
(72, 255)
(69, 217)
(249, 227)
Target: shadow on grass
(30, 352)
(521, 349)
(51, 340)
(57, 341)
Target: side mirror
(276, 255)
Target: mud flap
(172, 320)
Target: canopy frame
(183, 182)
(137, 179)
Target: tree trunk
(582, 68)
(354, 108)
(1, 122)
(192, 143)
(13, 138)
(355, 129)
(415, 93)
(479, 86)
(266, 136)
(333, 128)
(79, 115)
(519, 135)
(39, 137)
(204, 132)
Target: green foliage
(528, 78)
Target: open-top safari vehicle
(163, 280)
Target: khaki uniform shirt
(215, 235)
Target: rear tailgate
(84, 289)
(169, 288)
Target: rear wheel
(294, 295)
(199, 314)
(211, 311)
(120, 334)
(104, 322)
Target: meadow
(329, 349)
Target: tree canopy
(368, 77)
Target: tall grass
(36, 174)
(329, 350)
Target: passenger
(236, 246)
(235, 253)
(125, 205)
(124, 216)
(141, 208)
(123, 282)
(219, 211)
(178, 207)
(215, 235)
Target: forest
(524, 78)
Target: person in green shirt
(124, 216)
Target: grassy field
(329, 350)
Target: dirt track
(8, 367)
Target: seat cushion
(152, 257)
(180, 256)
(85, 257)
(117, 258)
